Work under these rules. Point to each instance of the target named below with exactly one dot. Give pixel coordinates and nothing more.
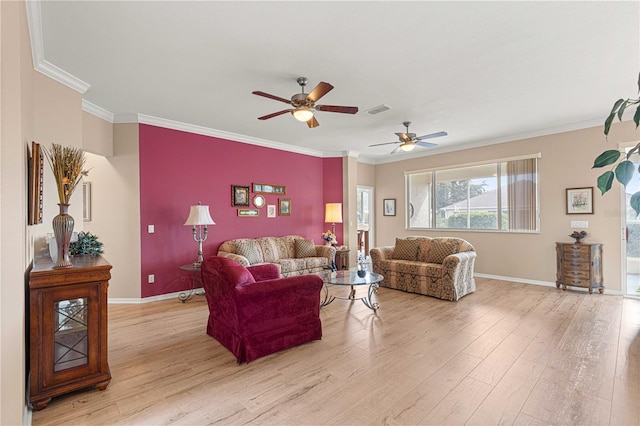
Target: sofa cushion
(270, 252)
(423, 249)
(305, 248)
(291, 265)
(438, 250)
(249, 249)
(405, 249)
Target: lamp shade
(333, 213)
(199, 215)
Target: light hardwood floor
(507, 354)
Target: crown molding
(40, 64)
(97, 111)
(206, 131)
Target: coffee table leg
(352, 295)
(326, 299)
(373, 288)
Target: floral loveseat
(293, 254)
(438, 267)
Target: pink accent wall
(332, 183)
(178, 169)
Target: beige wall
(115, 185)
(565, 163)
(97, 135)
(366, 174)
(16, 129)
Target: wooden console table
(67, 323)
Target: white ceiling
(485, 72)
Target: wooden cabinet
(342, 259)
(67, 328)
(579, 265)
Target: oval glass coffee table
(351, 278)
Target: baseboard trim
(134, 300)
(543, 283)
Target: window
(499, 196)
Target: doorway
(364, 207)
(631, 234)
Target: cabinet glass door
(70, 339)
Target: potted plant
(624, 169)
(87, 243)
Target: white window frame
(432, 226)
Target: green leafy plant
(87, 244)
(624, 169)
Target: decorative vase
(62, 230)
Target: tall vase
(62, 230)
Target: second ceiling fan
(305, 104)
(408, 141)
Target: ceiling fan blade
(312, 122)
(380, 144)
(404, 137)
(433, 135)
(397, 150)
(337, 108)
(426, 144)
(274, 97)
(319, 91)
(275, 114)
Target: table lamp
(199, 217)
(333, 215)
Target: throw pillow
(438, 250)
(250, 250)
(405, 249)
(305, 248)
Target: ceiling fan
(408, 141)
(304, 104)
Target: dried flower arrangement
(67, 165)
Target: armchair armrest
(267, 271)
(263, 303)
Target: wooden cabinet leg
(601, 290)
(40, 404)
(590, 290)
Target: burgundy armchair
(253, 312)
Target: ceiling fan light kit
(407, 146)
(302, 114)
(304, 104)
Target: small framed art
(284, 206)
(239, 196)
(389, 206)
(271, 210)
(248, 212)
(580, 200)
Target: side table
(342, 259)
(190, 272)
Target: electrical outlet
(152, 278)
(151, 229)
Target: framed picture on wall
(284, 206)
(580, 200)
(389, 207)
(35, 178)
(239, 196)
(271, 210)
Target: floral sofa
(293, 254)
(438, 267)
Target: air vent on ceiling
(378, 109)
